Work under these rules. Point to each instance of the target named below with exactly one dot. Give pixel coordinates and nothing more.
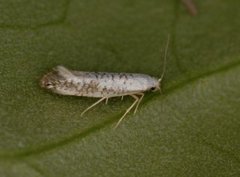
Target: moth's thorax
(97, 84)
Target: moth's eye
(152, 88)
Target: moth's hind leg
(128, 110)
(100, 100)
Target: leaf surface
(192, 129)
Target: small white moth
(102, 85)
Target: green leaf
(192, 129)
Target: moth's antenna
(165, 59)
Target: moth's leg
(128, 110)
(106, 102)
(122, 98)
(140, 99)
(100, 100)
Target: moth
(103, 85)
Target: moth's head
(154, 85)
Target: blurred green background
(192, 129)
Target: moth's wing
(64, 72)
(79, 73)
